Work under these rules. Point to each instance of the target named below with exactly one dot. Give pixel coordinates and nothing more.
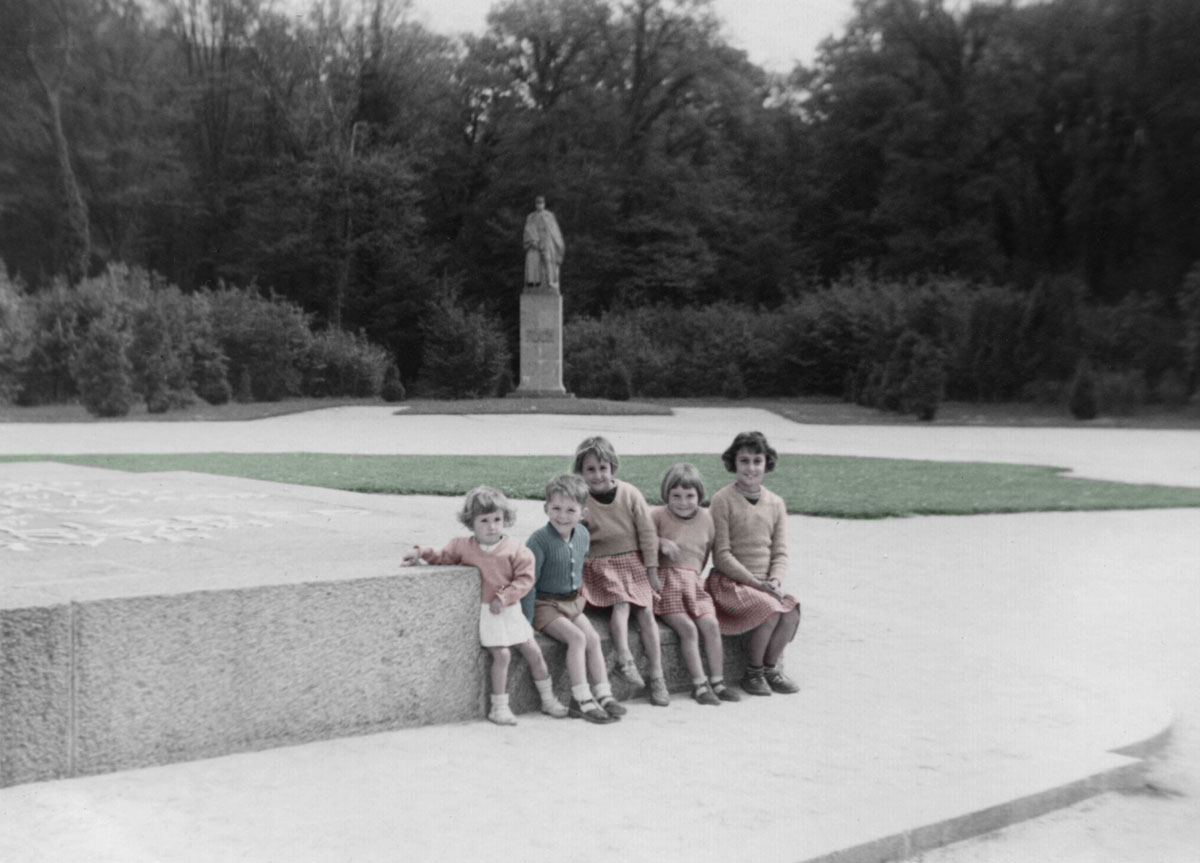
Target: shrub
(102, 369)
(1050, 337)
(618, 383)
(60, 318)
(1189, 307)
(465, 352)
(393, 387)
(1171, 389)
(244, 394)
(266, 340)
(1083, 398)
(344, 364)
(15, 335)
(1046, 392)
(161, 360)
(733, 386)
(986, 367)
(922, 388)
(1121, 393)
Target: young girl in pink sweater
(506, 573)
(685, 538)
(621, 570)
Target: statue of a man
(544, 249)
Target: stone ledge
(116, 683)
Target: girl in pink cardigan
(506, 574)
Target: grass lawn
(835, 487)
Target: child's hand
(668, 547)
(652, 577)
(773, 587)
(496, 606)
(411, 557)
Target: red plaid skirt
(740, 608)
(682, 593)
(616, 578)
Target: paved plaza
(959, 673)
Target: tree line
(376, 175)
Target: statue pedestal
(541, 347)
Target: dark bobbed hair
(755, 442)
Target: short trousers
(546, 611)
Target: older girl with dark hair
(750, 560)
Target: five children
(601, 546)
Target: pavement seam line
(73, 687)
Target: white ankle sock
(581, 693)
(545, 688)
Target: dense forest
(1000, 196)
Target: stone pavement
(1164, 457)
(959, 673)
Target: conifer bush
(465, 352)
(922, 389)
(102, 368)
(1083, 398)
(393, 387)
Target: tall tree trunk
(77, 245)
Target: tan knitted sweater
(623, 525)
(750, 539)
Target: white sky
(775, 33)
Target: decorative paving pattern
(37, 515)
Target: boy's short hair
(682, 475)
(569, 486)
(600, 448)
(484, 499)
(755, 442)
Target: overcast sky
(775, 33)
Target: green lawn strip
(829, 486)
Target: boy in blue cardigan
(555, 607)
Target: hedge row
(126, 335)
(899, 346)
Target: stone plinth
(541, 346)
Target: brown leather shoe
(780, 682)
(589, 710)
(755, 683)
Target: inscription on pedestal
(541, 346)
